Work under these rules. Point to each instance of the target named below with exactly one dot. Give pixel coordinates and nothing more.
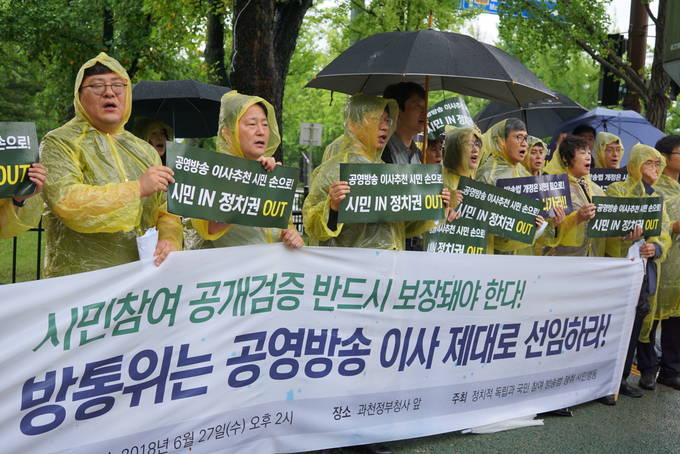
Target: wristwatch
(18, 204)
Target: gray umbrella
(542, 117)
(440, 60)
(190, 107)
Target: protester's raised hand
(647, 250)
(446, 197)
(540, 220)
(459, 196)
(586, 212)
(37, 173)
(291, 238)
(163, 249)
(634, 234)
(155, 179)
(337, 193)
(268, 163)
(560, 216)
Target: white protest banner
(260, 349)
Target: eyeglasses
(473, 143)
(387, 121)
(520, 138)
(612, 150)
(652, 163)
(99, 89)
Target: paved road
(647, 425)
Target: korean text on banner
(618, 216)
(391, 192)
(552, 190)
(223, 188)
(18, 150)
(302, 350)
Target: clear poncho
(668, 292)
(571, 237)
(232, 108)
(601, 141)
(495, 164)
(94, 210)
(358, 145)
(634, 187)
(15, 220)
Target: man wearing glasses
(105, 187)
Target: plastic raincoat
(634, 187)
(456, 159)
(571, 238)
(532, 142)
(601, 141)
(357, 145)
(233, 106)
(93, 197)
(495, 165)
(15, 220)
(668, 292)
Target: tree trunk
(214, 44)
(264, 37)
(660, 82)
(107, 31)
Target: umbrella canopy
(190, 107)
(451, 61)
(630, 126)
(542, 117)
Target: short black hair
(580, 129)
(568, 148)
(667, 144)
(402, 91)
(513, 124)
(96, 70)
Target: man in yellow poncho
(104, 185)
(644, 168)
(369, 122)
(247, 129)
(668, 292)
(20, 213)
(503, 150)
(608, 151)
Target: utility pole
(637, 48)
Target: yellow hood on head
(232, 108)
(639, 154)
(601, 141)
(114, 66)
(362, 121)
(456, 154)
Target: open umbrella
(190, 107)
(542, 117)
(435, 59)
(630, 126)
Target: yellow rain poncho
(233, 106)
(496, 165)
(93, 198)
(601, 141)
(532, 142)
(14, 220)
(634, 187)
(357, 145)
(668, 292)
(456, 159)
(571, 238)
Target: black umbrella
(190, 107)
(440, 60)
(542, 117)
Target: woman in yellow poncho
(504, 146)
(534, 158)
(369, 122)
(608, 151)
(644, 168)
(573, 158)
(668, 292)
(104, 185)
(247, 129)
